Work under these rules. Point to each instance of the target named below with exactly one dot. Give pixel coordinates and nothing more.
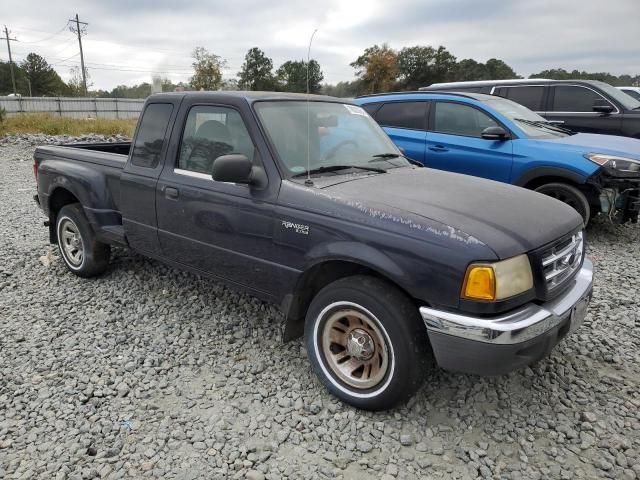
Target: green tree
(377, 67)
(230, 84)
(415, 66)
(420, 66)
(468, 70)
(562, 74)
(43, 78)
(207, 69)
(292, 76)
(444, 65)
(6, 87)
(75, 87)
(344, 89)
(498, 70)
(256, 71)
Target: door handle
(171, 193)
(438, 148)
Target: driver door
(220, 228)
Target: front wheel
(366, 342)
(570, 195)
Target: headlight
(497, 281)
(617, 163)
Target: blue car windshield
(336, 137)
(531, 123)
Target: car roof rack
(422, 92)
(480, 83)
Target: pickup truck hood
(507, 219)
(594, 143)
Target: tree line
(379, 68)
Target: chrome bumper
(525, 323)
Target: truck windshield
(530, 122)
(339, 135)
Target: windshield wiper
(335, 168)
(550, 126)
(386, 156)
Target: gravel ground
(151, 372)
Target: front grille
(562, 260)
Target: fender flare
(356, 254)
(539, 172)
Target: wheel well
(312, 281)
(539, 181)
(59, 198)
(589, 191)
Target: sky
(127, 41)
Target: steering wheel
(334, 150)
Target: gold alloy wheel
(355, 349)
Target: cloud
(127, 40)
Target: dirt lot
(151, 372)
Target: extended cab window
(530, 97)
(209, 133)
(151, 135)
(572, 98)
(459, 119)
(403, 115)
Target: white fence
(74, 107)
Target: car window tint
(458, 119)
(569, 98)
(633, 93)
(530, 97)
(151, 135)
(403, 115)
(371, 108)
(209, 133)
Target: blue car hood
(592, 143)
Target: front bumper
(497, 345)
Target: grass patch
(56, 125)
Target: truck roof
(252, 96)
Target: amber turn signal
(480, 283)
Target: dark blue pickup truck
(305, 202)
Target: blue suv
(495, 138)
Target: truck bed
(75, 163)
(112, 155)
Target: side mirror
(494, 133)
(234, 168)
(602, 106)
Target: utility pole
(79, 31)
(9, 40)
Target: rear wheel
(366, 342)
(82, 253)
(570, 195)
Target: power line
(9, 40)
(129, 70)
(79, 31)
(47, 38)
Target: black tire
(394, 319)
(74, 234)
(570, 195)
